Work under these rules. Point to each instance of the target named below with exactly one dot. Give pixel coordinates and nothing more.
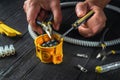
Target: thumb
(81, 9)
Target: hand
(40, 8)
(96, 23)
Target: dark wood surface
(24, 65)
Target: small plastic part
(107, 67)
(2, 53)
(7, 50)
(12, 49)
(49, 53)
(5, 29)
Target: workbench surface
(24, 65)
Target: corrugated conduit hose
(82, 42)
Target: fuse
(107, 67)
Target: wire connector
(7, 50)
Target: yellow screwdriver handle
(81, 20)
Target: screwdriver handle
(115, 51)
(107, 67)
(83, 19)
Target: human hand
(39, 8)
(94, 24)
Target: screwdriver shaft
(79, 22)
(68, 31)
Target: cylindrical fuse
(107, 67)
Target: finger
(57, 14)
(98, 20)
(37, 29)
(32, 13)
(42, 15)
(95, 24)
(81, 9)
(24, 6)
(85, 31)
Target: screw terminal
(7, 50)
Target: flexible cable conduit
(82, 42)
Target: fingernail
(79, 13)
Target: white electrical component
(7, 50)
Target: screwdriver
(107, 67)
(79, 22)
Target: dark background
(24, 65)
